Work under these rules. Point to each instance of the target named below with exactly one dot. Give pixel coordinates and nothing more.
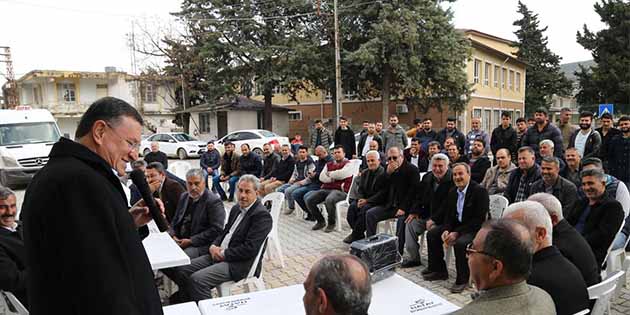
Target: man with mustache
(542, 130)
(394, 136)
(13, 272)
(552, 183)
(586, 140)
(619, 152)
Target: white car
(256, 138)
(174, 144)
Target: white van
(26, 137)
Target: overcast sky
(90, 35)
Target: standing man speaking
(83, 248)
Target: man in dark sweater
(280, 175)
(503, 136)
(156, 155)
(249, 163)
(270, 160)
(479, 162)
(551, 182)
(551, 271)
(522, 178)
(313, 184)
(300, 178)
(210, 161)
(344, 136)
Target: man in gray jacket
(394, 136)
(300, 177)
(500, 259)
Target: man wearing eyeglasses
(465, 210)
(500, 260)
(84, 252)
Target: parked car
(256, 138)
(174, 144)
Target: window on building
(295, 116)
(496, 118)
(518, 81)
(486, 74)
(503, 78)
(486, 120)
(279, 89)
(518, 115)
(496, 76)
(477, 70)
(511, 80)
(149, 94)
(204, 122)
(476, 112)
(67, 92)
(37, 95)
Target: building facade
(68, 94)
(498, 84)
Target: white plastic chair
(343, 205)
(387, 226)
(276, 200)
(225, 288)
(582, 312)
(615, 261)
(21, 310)
(179, 168)
(603, 292)
(498, 203)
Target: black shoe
(330, 228)
(426, 271)
(459, 288)
(434, 276)
(318, 226)
(410, 263)
(351, 238)
(310, 218)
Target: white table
(394, 295)
(163, 252)
(189, 308)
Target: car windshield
(14, 134)
(267, 134)
(182, 137)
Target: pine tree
(609, 81)
(544, 78)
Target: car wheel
(258, 151)
(146, 151)
(181, 154)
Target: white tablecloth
(394, 295)
(189, 308)
(163, 252)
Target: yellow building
(496, 75)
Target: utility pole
(338, 91)
(11, 90)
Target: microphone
(137, 177)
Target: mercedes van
(26, 137)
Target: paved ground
(302, 247)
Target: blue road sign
(606, 108)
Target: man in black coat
(402, 180)
(249, 163)
(210, 161)
(451, 131)
(371, 192)
(233, 252)
(521, 179)
(13, 273)
(199, 218)
(431, 195)
(550, 271)
(542, 130)
(551, 182)
(465, 210)
(479, 162)
(270, 160)
(587, 141)
(598, 217)
(503, 136)
(568, 241)
(366, 137)
(156, 155)
(344, 136)
(90, 259)
(281, 173)
(168, 190)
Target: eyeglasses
(392, 158)
(470, 250)
(132, 146)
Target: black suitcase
(379, 252)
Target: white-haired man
(550, 270)
(568, 241)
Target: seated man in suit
(233, 252)
(199, 218)
(598, 217)
(374, 146)
(13, 273)
(339, 284)
(280, 174)
(431, 195)
(168, 190)
(371, 192)
(550, 270)
(551, 182)
(402, 181)
(414, 154)
(500, 260)
(465, 210)
(568, 241)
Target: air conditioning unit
(402, 109)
